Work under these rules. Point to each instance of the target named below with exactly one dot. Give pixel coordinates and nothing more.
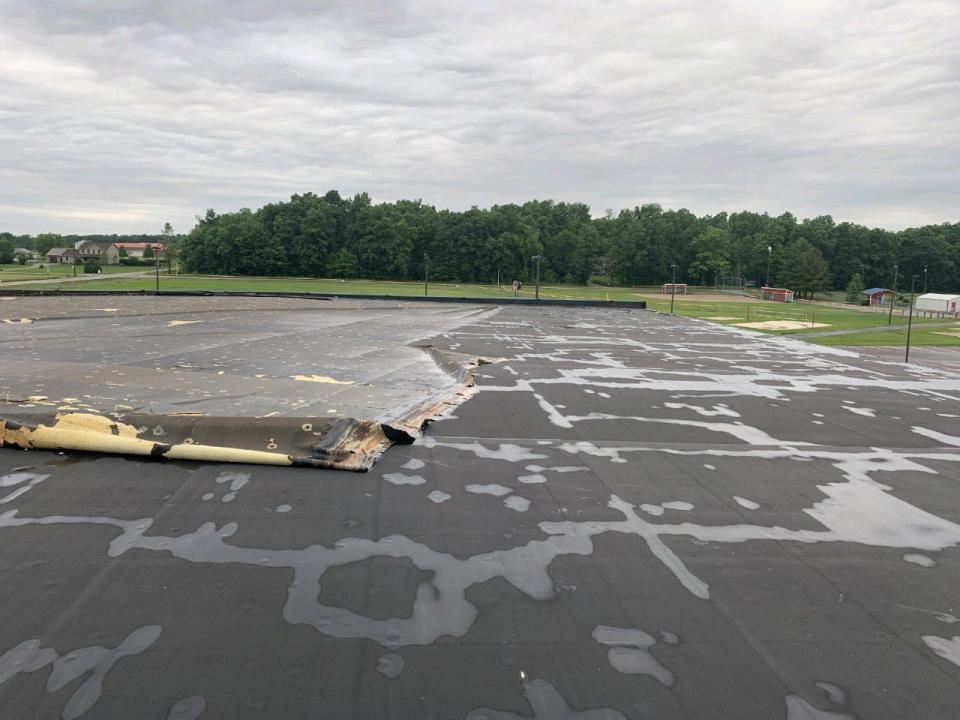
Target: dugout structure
(776, 294)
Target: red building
(776, 294)
(877, 296)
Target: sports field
(822, 323)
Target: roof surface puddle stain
(630, 653)
(190, 708)
(390, 665)
(94, 662)
(547, 703)
(947, 648)
(27, 480)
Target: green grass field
(813, 321)
(939, 336)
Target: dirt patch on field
(721, 317)
(782, 325)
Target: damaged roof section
(254, 380)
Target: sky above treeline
(120, 116)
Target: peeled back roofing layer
(263, 380)
(339, 443)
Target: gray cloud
(119, 116)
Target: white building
(938, 304)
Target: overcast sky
(119, 116)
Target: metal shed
(938, 303)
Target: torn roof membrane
(337, 443)
(271, 381)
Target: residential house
(62, 256)
(106, 253)
(136, 249)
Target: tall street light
(893, 298)
(924, 279)
(157, 265)
(913, 281)
(769, 258)
(426, 274)
(673, 286)
(537, 259)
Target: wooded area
(333, 236)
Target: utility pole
(913, 281)
(426, 274)
(537, 259)
(924, 279)
(769, 258)
(893, 298)
(167, 235)
(673, 286)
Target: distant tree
(170, 255)
(45, 241)
(806, 272)
(855, 289)
(343, 264)
(710, 248)
(317, 235)
(168, 245)
(148, 252)
(6, 239)
(6, 250)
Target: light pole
(913, 281)
(426, 274)
(769, 258)
(537, 259)
(156, 265)
(893, 298)
(673, 286)
(924, 279)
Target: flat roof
(637, 515)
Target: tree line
(351, 237)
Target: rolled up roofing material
(338, 443)
(321, 442)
